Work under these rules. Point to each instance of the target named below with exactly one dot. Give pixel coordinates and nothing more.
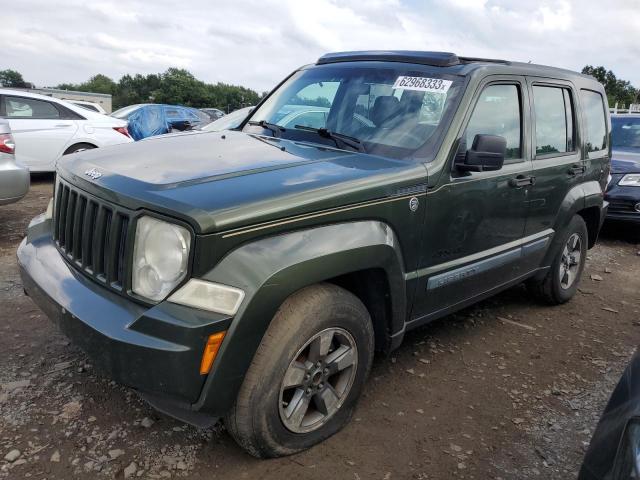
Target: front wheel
(306, 375)
(561, 281)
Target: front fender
(271, 269)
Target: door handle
(576, 169)
(62, 125)
(522, 181)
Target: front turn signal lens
(210, 351)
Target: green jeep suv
(252, 274)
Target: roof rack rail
(483, 60)
(437, 59)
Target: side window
(22, 107)
(594, 114)
(498, 113)
(553, 120)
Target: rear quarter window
(594, 116)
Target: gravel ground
(505, 389)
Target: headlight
(630, 180)
(209, 296)
(160, 256)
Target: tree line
(618, 91)
(179, 86)
(175, 86)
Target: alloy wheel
(318, 380)
(570, 261)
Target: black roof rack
(437, 59)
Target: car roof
(451, 62)
(625, 115)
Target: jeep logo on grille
(93, 173)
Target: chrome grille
(93, 235)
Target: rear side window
(29, 108)
(594, 115)
(498, 113)
(554, 120)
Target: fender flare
(271, 269)
(581, 196)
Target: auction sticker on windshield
(423, 84)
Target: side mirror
(486, 154)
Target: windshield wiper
(275, 129)
(340, 139)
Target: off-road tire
(254, 421)
(549, 288)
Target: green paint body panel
(271, 216)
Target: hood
(625, 160)
(217, 181)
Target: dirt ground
(503, 390)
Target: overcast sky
(256, 43)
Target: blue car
(623, 193)
(149, 119)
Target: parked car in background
(45, 128)
(14, 177)
(252, 275)
(150, 119)
(614, 450)
(213, 113)
(94, 107)
(229, 121)
(623, 193)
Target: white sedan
(45, 128)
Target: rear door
(555, 149)
(40, 128)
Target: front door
(476, 220)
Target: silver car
(14, 177)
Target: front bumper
(623, 203)
(155, 350)
(14, 180)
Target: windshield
(232, 120)
(86, 106)
(124, 112)
(391, 109)
(625, 132)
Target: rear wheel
(307, 374)
(562, 279)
